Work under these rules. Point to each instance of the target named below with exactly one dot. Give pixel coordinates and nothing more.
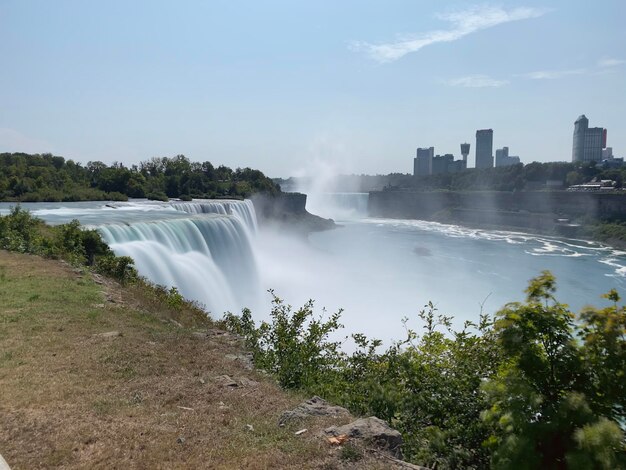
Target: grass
(145, 398)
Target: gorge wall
(288, 212)
(534, 210)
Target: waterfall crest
(244, 210)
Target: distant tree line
(510, 178)
(45, 177)
(517, 177)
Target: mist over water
(378, 270)
(381, 270)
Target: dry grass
(145, 399)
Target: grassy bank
(97, 375)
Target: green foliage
(512, 178)
(539, 388)
(606, 231)
(118, 267)
(157, 196)
(559, 383)
(428, 387)
(21, 232)
(294, 346)
(38, 178)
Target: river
(378, 270)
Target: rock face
(287, 211)
(316, 406)
(373, 431)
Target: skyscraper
(465, 149)
(484, 148)
(423, 161)
(588, 142)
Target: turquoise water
(378, 270)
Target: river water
(378, 270)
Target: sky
(287, 86)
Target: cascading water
(244, 210)
(208, 256)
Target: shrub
(157, 196)
(537, 388)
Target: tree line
(516, 177)
(49, 178)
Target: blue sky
(284, 86)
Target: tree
(548, 408)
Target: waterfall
(207, 256)
(244, 210)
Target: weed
(350, 453)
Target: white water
(378, 270)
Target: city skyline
(282, 88)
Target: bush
(21, 232)
(294, 346)
(118, 267)
(157, 196)
(537, 388)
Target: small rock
(226, 381)
(249, 427)
(246, 382)
(372, 430)
(108, 334)
(302, 431)
(98, 306)
(202, 381)
(316, 406)
(245, 359)
(180, 440)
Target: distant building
(607, 153)
(588, 141)
(484, 148)
(441, 163)
(465, 150)
(613, 162)
(457, 166)
(503, 158)
(423, 161)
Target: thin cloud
(553, 74)
(463, 22)
(610, 62)
(477, 81)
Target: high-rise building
(423, 161)
(442, 163)
(503, 158)
(484, 148)
(588, 141)
(465, 149)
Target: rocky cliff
(288, 211)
